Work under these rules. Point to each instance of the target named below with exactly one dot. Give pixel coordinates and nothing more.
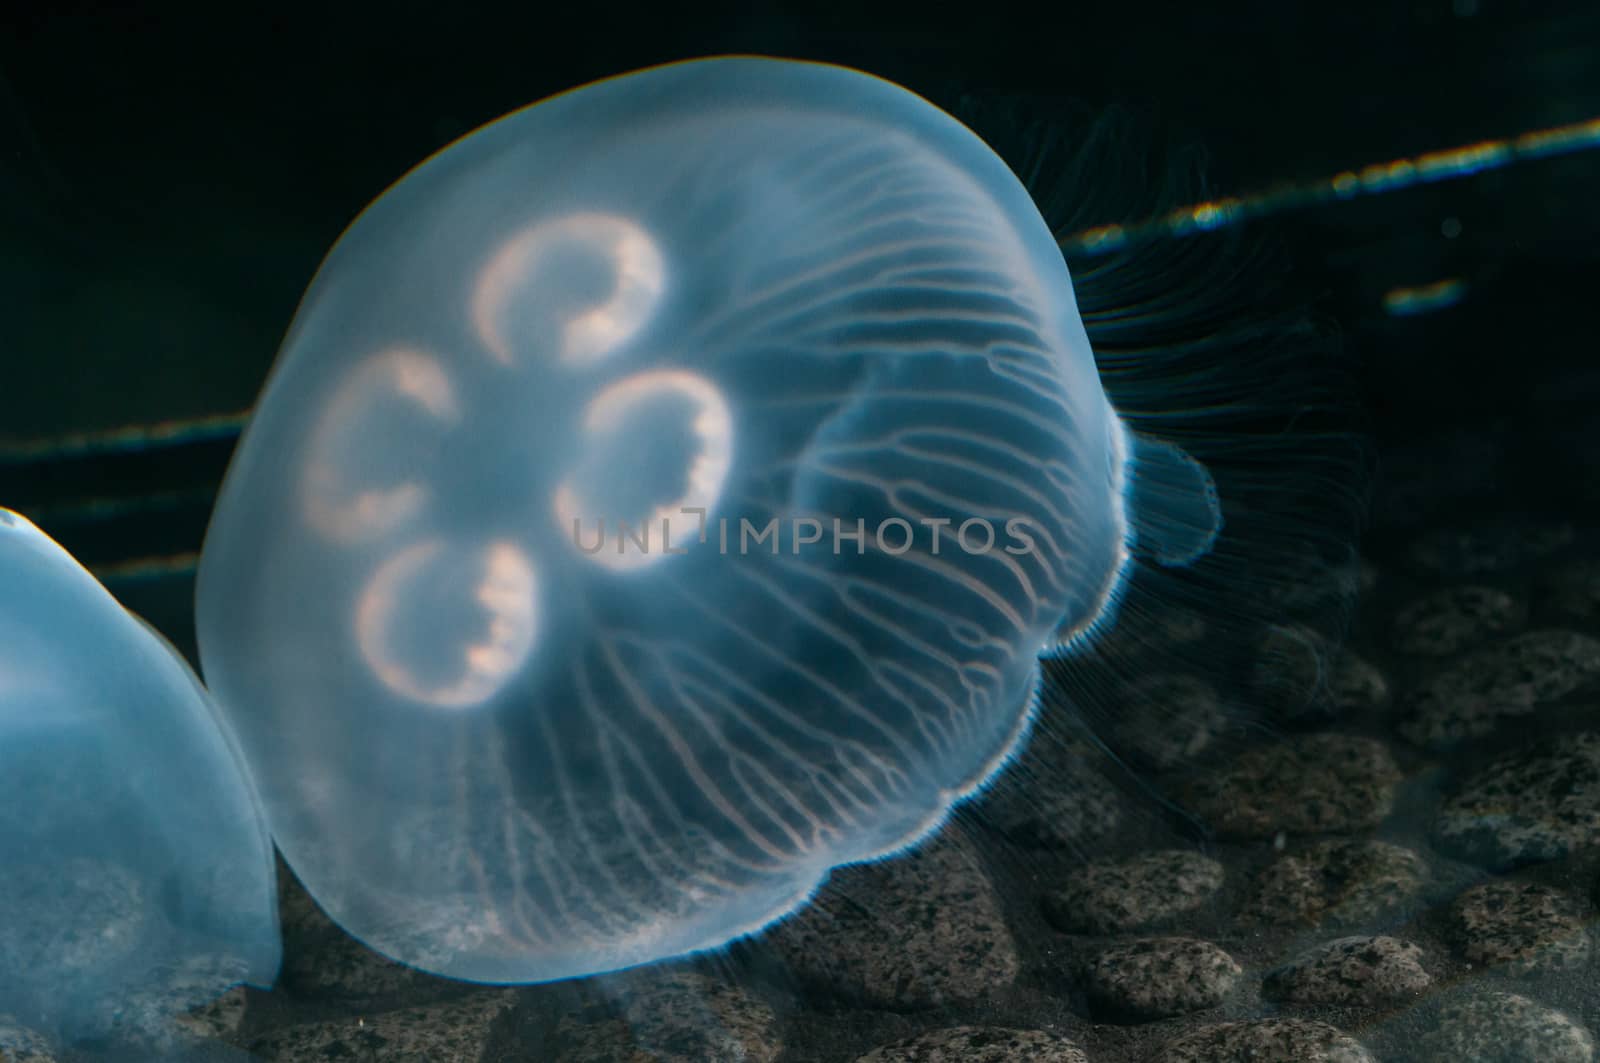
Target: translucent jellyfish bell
(664, 496)
(136, 874)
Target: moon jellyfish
(136, 873)
(664, 495)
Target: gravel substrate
(1407, 872)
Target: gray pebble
(1448, 621)
(55, 936)
(220, 1018)
(978, 1044)
(1152, 631)
(1316, 582)
(915, 931)
(1165, 720)
(1291, 674)
(1176, 625)
(1156, 977)
(1490, 1027)
(1535, 804)
(1471, 697)
(1518, 928)
(18, 1044)
(321, 960)
(1063, 803)
(456, 1031)
(1357, 685)
(1336, 883)
(1264, 1041)
(1299, 674)
(1323, 783)
(1353, 970)
(178, 1006)
(662, 1015)
(1134, 894)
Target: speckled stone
(176, 1007)
(56, 934)
(1065, 803)
(1176, 625)
(1264, 1041)
(18, 1044)
(1496, 545)
(667, 1016)
(1136, 894)
(1535, 804)
(1316, 582)
(1472, 696)
(1300, 675)
(1351, 971)
(1335, 883)
(456, 1032)
(978, 1044)
(1165, 720)
(915, 931)
(1141, 631)
(1491, 1027)
(1518, 928)
(321, 960)
(1292, 671)
(1453, 619)
(1152, 978)
(220, 1018)
(1573, 589)
(1322, 783)
(1357, 685)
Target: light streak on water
(1405, 302)
(1448, 164)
